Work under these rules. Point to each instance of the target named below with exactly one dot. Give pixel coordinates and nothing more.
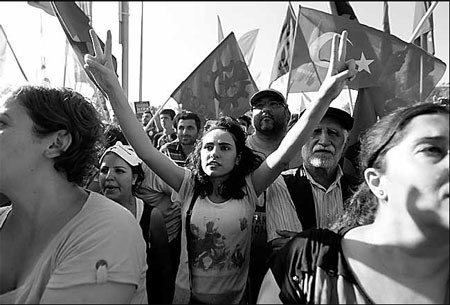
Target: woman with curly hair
(392, 241)
(59, 241)
(219, 189)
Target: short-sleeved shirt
(312, 269)
(221, 238)
(157, 193)
(102, 233)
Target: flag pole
(156, 113)
(422, 43)
(123, 39)
(141, 51)
(291, 53)
(422, 21)
(14, 54)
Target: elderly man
(270, 117)
(319, 188)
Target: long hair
(388, 132)
(53, 109)
(249, 161)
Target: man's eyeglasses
(272, 105)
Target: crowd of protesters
(254, 209)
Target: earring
(381, 193)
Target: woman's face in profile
(21, 151)
(417, 171)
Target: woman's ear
(374, 181)
(238, 158)
(60, 142)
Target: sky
(178, 36)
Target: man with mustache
(270, 117)
(319, 187)
(187, 125)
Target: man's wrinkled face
(326, 145)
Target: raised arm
(338, 73)
(101, 67)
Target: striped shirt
(281, 214)
(328, 202)
(174, 151)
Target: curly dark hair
(53, 109)
(233, 187)
(388, 132)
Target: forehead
(13, 109)
(267, 99)
(218, 136)
(166, 116)
(330, 122)
(186, 123)
(111, 159)
(428, 126)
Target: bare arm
(338, 72)
(100, 66)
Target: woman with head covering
(120, 176)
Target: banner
(284, 48)
(76, 26)
(247, 43)
(220, 85)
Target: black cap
(341, 116)
(267, 93)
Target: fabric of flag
(284, 47)
(10, 70)
(219, 30)
(386, 24)
(220, 85)
(365, 45)
(76, 26)
(43, 5)
(425, 36)
(247, 43)
(342, 8)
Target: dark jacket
(302, 196)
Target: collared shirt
(328, 202)
(175, 152)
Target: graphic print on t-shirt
(213, 249)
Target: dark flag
(76, 26)
(220, 85)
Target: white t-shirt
(221, 238)
(102, 230)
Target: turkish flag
(380, 57)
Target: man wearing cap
(319, 187)
(270, 117)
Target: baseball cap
(126, 152)
(343, 117)
(267, 93)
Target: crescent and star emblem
(316, 45)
